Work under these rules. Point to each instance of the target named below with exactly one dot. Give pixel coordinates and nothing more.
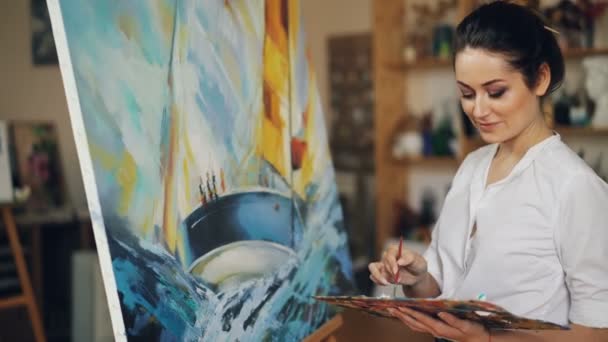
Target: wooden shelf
(568, 131)
(434, 162)
(581, 53)
(472, 143)
(426, 63)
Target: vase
(596, 85)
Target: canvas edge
(86, 168)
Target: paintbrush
(397, 273)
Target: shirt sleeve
(582, 238)
(431, 255)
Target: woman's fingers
(392, 270)
(410, 322)
(376, 280)
(413, 262)
(438, 327)
(389, 260)
(406, 259)
(377, 273)
(460, 324)
(406, 278)
(392, 264)
(467, 327)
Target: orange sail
(273, 133)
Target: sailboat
(248, 234)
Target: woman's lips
(487, 126)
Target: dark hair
(518, 33)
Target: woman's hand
(449, 327)
(411, 267)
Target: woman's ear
(543, 80)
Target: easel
(326, 333)
(27, 297)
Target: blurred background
(397, 135)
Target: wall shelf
(427, 63)
(424, 63)
(429, 162)
(568, 131)
(475, 142)
(582, 53)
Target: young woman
(526, 220)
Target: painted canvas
(202, 145)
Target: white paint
(230, 265)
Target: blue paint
(132, 107)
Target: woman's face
(495, 96)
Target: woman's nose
(481, 108)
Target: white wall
(34, 93)
(324, 19)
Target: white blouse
(541, 245)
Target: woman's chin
(491, 137)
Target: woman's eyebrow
(464, 85)
(492, 81)
(484, 84)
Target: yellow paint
(170, 186)
(276, 68)
(303, 176)
(187, 161)
(147, 222)
(310, 134)
(271, 142)
(294, 25)
(107, 160)
(183, 40)
(167, 18)
(126, 177)
(246, 19)
(127, 26)
(274, 26)
(124, 169)
(186, 179)
(273, 133)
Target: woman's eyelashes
(491, 93)
(497, 93)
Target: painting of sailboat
(202, 145)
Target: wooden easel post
(27, 297)
(326, 333)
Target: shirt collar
(531, 154)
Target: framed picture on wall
(38, 164)
(6, 183)
(43, 43)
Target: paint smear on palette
(485, 313)
(202, 143)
